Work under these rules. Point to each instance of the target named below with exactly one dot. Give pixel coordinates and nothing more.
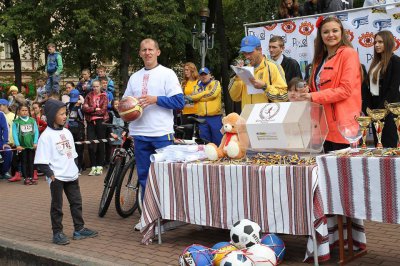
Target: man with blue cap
(267, 77)
(208, 96)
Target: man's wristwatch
(264, 88)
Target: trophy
(364, 122)
(394, 108)
(377, 115)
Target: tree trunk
(224, 66)
(17, 61)
(126, 50)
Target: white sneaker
(99, 170)
(138, 226)
(93, 171)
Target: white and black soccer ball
(236, 258)
(245, 233)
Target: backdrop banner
(360, 25)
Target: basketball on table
(130, 109)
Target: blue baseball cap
(249, 43)
(74, 96)
(4, 102)
(204, 70)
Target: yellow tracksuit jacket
(276, 85)
(209, 99)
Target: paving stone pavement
(25, 224)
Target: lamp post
(202, 40)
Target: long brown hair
(382, 59)
(320, 50)
(194, 74)
(284, 11)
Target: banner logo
(366, 39)
(396, 16)
(260, 35)
(343, 16)
(271, 26)
(398, 29)
(357, 22)
(306, 28)
(379, 10)
(397, 43)
(349, 35)
(382, 23)
(288, 26)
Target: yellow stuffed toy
(230, 145)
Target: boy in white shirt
(55, 157)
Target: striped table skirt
(281, 199)
(366, 188)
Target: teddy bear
(230, 145)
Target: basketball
(130, 109)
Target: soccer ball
(245, 233)
(276, 244)
(236, 258)
(129, 109)
(220, 253)
(261, 255)
(197, 255)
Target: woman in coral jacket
(384, 82)
(335, 81)
(95, 109)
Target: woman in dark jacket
(95, 109)
(384, 82)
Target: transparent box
(285, 126)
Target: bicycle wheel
(126, 192)
(109, 186)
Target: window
(7, 50)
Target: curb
(14, 252)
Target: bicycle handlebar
(115, 126)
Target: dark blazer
(291, 68)
(389, 86)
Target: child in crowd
(115, 119)
(38, 116)
(54, 68)
(110, 96)
(101, 74)
(84, 85)
(26, 134)
(41, 95)
(4, 143)
(76, 123)
(295, 87)
(55, 157)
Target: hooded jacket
(51, 108)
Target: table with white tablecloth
(281, 199)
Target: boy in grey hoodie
(55, 157)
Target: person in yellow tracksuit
(269, 78)
(208, 97)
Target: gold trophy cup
(364, 122)
(377, 115)
(394, 108)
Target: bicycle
(116, 180)
(194, 127)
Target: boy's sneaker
(27, 181)
(84, 233)
(93, 171)
(6, 176)
(15, 178)
(33, 181)
(60, 239)
(99, 170)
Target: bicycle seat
(197, 120)
(185, 127)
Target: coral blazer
(340, 90)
